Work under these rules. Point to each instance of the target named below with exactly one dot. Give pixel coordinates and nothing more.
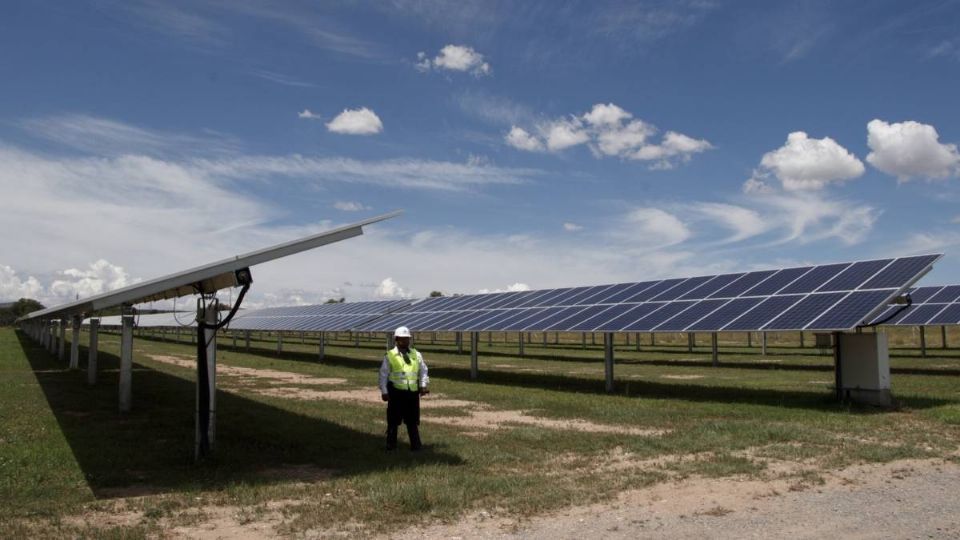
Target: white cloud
(809, 217)
(360, 121)
(756, 185)
(389, 288)
(350, 206)
(455, 58)
(654, 226)
(307, 114)
(520, 139)
(910, 149)
(609, 130)
(65, 285)
(516, 287)
(104, 136)
(395, 173)
(674, 145)
(572, 227)
(804, 163)
(744, 222)
(13, 287)
(562, 134)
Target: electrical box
(865, 368)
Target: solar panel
(315, 318)
(932, 305)
(837, 296)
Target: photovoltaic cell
(723, 316)
(658, 317)
(855, 275)
(901, 271)
(710, 287)
(805, 311)
(743, 284)
(850, 311)
(681, 289)
(691, 315)
(617, 322)
(777, 281)
(763, 313)
(922, 294)
(660, 287)
(922, 314)
(815, 278)
(947, 295)
(950, 315)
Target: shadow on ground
(150, 449)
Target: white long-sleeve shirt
(385, 371)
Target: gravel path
(913, 499)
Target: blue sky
(531, 144)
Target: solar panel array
(153, 320)
(932, 306)
(826, 297)
(316, 318)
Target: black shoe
(390, 449)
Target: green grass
(65, 451)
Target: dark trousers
(403, 408)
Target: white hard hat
(403, 331)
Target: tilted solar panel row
(315, 318)
(826, 297)
(931, 306)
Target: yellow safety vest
(404, 376)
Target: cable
(203, 376)
(892, 315)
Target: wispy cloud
(281, 78)
(109, 137)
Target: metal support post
(489, 339)
(205, 418)
(837, 366)
(749, 340)
(801, 340)
(459, 336)
(474, 362)
(943, 337)
(593, 338)
(75, 343)
(763, 345)
(303, 338)
(389, 339)
(92, 352)
(126, 358)
(544, 339)
(637, 339)
(62, 342)
(608, 360)
(356, 340)
(715, 350)
(246, 339)
(556, 338)
(321, 346)
(691, 339)
(234, 336)
(520, 335)
(923, 341)
(653, 339)
(279, 342)
(583, 340)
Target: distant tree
(435, 294)
(18, 309)
(335, 301)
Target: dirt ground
(905, 499)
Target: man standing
(403, 379)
